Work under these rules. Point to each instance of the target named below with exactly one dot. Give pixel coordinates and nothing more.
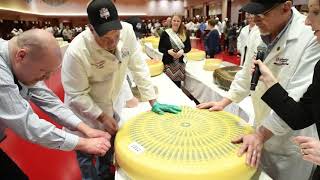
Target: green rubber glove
(161, 108)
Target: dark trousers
(9, 170)
(97, 168)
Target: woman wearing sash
(306, 111)
(174, 42)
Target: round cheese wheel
(212, 64)
(153, 40)
(155, 67)
(193, 144)
(196, 55)
(224, 76)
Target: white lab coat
(242, 40)
(92, 77)
(298, 48)
(124, 96)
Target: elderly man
(93, 71)
(24, 61)
(291, 55)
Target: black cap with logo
(260, 6)
(103, 16)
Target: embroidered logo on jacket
(104, 13)
(281, 61)
(99, 65)
(124, 52)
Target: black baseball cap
(260, 6)
(103, 16)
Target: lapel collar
(118, 50)
(290, 35)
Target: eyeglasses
(261, 15)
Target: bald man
(25, 61)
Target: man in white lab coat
(242, 40)
(291, 55)
(93, 71)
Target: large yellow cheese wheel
(153, 40)
(196, 55)
(212, 64)
(191, 145)
(155, 67)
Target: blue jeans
(96, 168)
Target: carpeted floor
(224, 55)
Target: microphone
(262, 49)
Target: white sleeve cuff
(70, 142)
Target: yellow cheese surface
(196, 55)
(153, 40)
(194, 144)
(212, 64)
(155, 67)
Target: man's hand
(252, 144)
(310, 148)
(92, 133)
(161, 108)
(215, 106)
(109, 123)
(94, 146)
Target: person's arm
(76, 86)
(297, 115)
(240, 40)
(165, 48)
(187, 44)
(252, 145)
(47, 101)
(141, 75)
(138, 67)
(240, 86)
(17, 114)
(299, 83)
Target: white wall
(165, 8)
(235, 7)
(215, 8)
(78, 7)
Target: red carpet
(223, 55)
(230, 58)
(37, 162)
